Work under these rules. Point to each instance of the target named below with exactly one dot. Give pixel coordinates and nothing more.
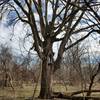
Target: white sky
(6, 34)
(15, 43)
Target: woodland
(64, 65)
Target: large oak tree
(52, 21)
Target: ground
(25, 92)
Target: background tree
(6, 65)
(73, 60)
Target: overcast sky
(14, 38)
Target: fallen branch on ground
(63, 96)
(82, 91)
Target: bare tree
(5, 64)
(90, 72)
(93, 69)
(63, 21)
(74, 64)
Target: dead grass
(27, 91)
(19, 92)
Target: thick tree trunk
(45, 91)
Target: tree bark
(46, 91)
(90, 86)
(5, 83)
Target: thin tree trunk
(90, 86)
(5, 80)
(46, 73)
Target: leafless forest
(56, 60)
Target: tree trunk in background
(5, 83)
(90, 86)
(45, 91)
